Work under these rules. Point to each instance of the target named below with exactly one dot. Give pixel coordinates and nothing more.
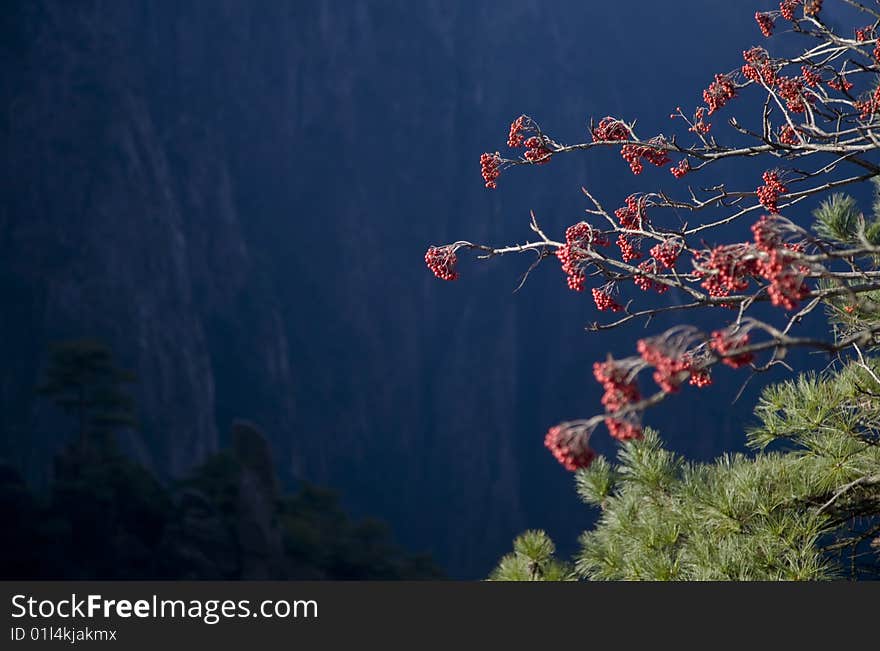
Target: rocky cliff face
(237, 196)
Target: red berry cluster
(700, 124)
(617, 380)
(787, 7)
(840, 83)
(791, 89)
(604, 301)
(623, 430)
(769, 193)
(490, 165)
(719, 92)
(876, 52)
(864, 33)
(570, 446)
(672, 363)
(758, 66)
(726, 343)
(634, 154)
(536, 151)
(620, 391)
(765, 22)
(578, 238)
(788, 136)
(645, 282)
(869, 106)
(700, 379)
(778, 264)
(628, 248)
(810, 76)
(812, 7)
(611, 129)
(633, 215)
(726, 269)
(682, 168)
(515, 137)
(666, 253)
(442, 260)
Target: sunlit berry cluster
(604, 300)
(670, 358)
(769, 193)
(719, 93)
(758, 66)
(628, 248)
(635, 154)
(726, 343)
(812, 7)
(765, 22)
(810, 76)
(787, 135)
(515, 137)
(632, 215)
(442, 260)
(791, 89)
(778, 264)
(646, 281)
(726, 269)
(536, 150)
(611, 129)
(620, 391)
(490, 167)
(840, 83)
(787, 7)
(864, 33)
(572, 255)
(570, 445)
(666, 253)
(682, 168)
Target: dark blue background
(237, 196)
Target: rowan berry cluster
(840, 83)
(442, 260)
(791, 89)
(515, 137)
(671, 359)
(666, 253)
(536, 151)
(645, 282)
(864, 33)
(628, 248)
(758, 66)
(611, 129)
(810, 76)
(682, 168)
(812, 7)
(719, 93)
(620, 391)
(787, 135)
(765, 22)
(778, 264)
(572, 255)
(604, 301)
(700, 125)
(633, 215)
(769, 193)
(634, 154)
(570, 446)
(726, 269)
(787, 7)
(490, 165)
(726, 343)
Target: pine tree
(82, 378)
